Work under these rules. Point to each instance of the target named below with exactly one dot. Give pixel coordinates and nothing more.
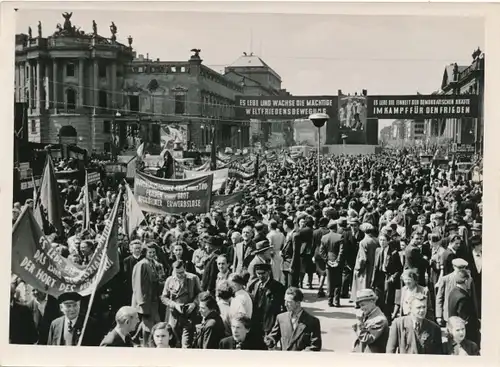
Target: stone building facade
(461, 80)
(71, 81)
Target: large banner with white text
(164, 196)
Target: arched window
(70, 99)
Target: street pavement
(336, 322)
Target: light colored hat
(459, 263)
(366, 295)
(366, 227)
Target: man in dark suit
(44, 309)
(296, 330)
(332, 244)
(414, 258)
(461, 304)
(353, 237)
(127, 320)
(451, 253)
(21, 327)
(319, 260)
(128, 266)
(67, 329)
(268, 299)
(307, 266)
(213, 246)
(414, 334)
(243, 251)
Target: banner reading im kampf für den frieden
(164, 196)
(39, 265)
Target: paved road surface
(336, 322)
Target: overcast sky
(313, 54)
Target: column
(38, 85)
(81, 82)
(54, 86)
(30, 85)
(113, 86)
(46, 93)
(95, 85)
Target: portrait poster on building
(165, 196)
(423, 106)
(37, 263)
(220, 176)
(352, 112)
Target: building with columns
(461, 80)
(70, 81)
(95, 92)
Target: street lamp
(319, 120)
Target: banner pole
(99, 273)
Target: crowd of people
(401, 246)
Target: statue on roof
(113, 30)
(455, 69)
(39, 29)
(67, 22)
(30, 33)
(196, 53)
(94, 28)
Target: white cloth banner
(220, 176)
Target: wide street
(336, 323)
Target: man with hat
(444, 287)
(213, 246)
(67, 329)
(262, 255)
(268, 298)
(332, 246)
(372, 327)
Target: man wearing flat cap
(67, 329)
(268, 299)
(372, 327)
(444, 287)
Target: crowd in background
(401, 245)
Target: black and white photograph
(257, 181)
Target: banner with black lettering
(222, 202)
(165, 196)
(40, 265)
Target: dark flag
(50, 198)
(256, 169)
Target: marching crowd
(403, 246)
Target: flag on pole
(133, 215)
(37, 210)
(140, 151)
(256, 169)
(86, 198)
(50, 198)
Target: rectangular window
(133, 103)
(33, 126)
(70, 69)
(102, 70)
(180, 104)
(106, 127)
(103, 99)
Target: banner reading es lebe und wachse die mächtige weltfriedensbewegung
(159, 195)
